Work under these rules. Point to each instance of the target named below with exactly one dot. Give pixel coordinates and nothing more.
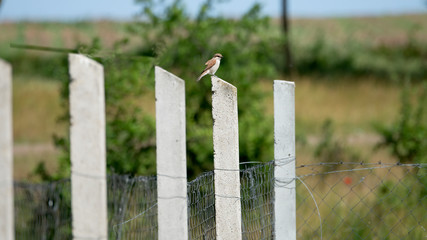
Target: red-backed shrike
(211, 66)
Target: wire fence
(334, 201)
(43, 211)
(201, 207)
(362, 201)
(132, 207)
(257, 201)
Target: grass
(317, 100)
(59, 35)
(36, 109)
(368, 32)
(62, 35)
(28, 156)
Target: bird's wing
(209, 64)
(208, 61)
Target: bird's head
(218, 55)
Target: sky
(72, 10)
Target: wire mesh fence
(201, 207)
(257, 201)
(362, 201)
(334, 201)
(132, 207)
(43, 211)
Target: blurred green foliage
(330, 149)
(407, 136)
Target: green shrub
(407, 136)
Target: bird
(211, 66)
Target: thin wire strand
(136, 216)
(315, 203)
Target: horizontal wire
(138, 215)
(420, 165)
(89, 238)
(170, 176)
(351, 170)
(99, 177)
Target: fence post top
(283, 82)
(4, 63)
(74, 58)
(219, 83)
(159, 70)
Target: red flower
(347, 180)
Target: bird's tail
(202, 75)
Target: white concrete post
(171, 156)
(7, 229)
(284, 155)
(88, 150)
(228, 215)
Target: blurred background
(360, 69)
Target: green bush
(407, 136)
(331, 150)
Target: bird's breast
(215, 67)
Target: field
(37, 105)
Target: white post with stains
(7, 229)
(88, 150)
(228, 215)
(284, 155)
(171, 156)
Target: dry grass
(28, 156)
(369, 31)
(62, 35)
(36, 109)
(352, 105)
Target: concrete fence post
(228, 215)
(171, 156)
(284, 155)
(88, 150)
(7, 229)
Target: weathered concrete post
(7, 229)
(226, 160)
(284, 155)
(171, 156)
(88, 150)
